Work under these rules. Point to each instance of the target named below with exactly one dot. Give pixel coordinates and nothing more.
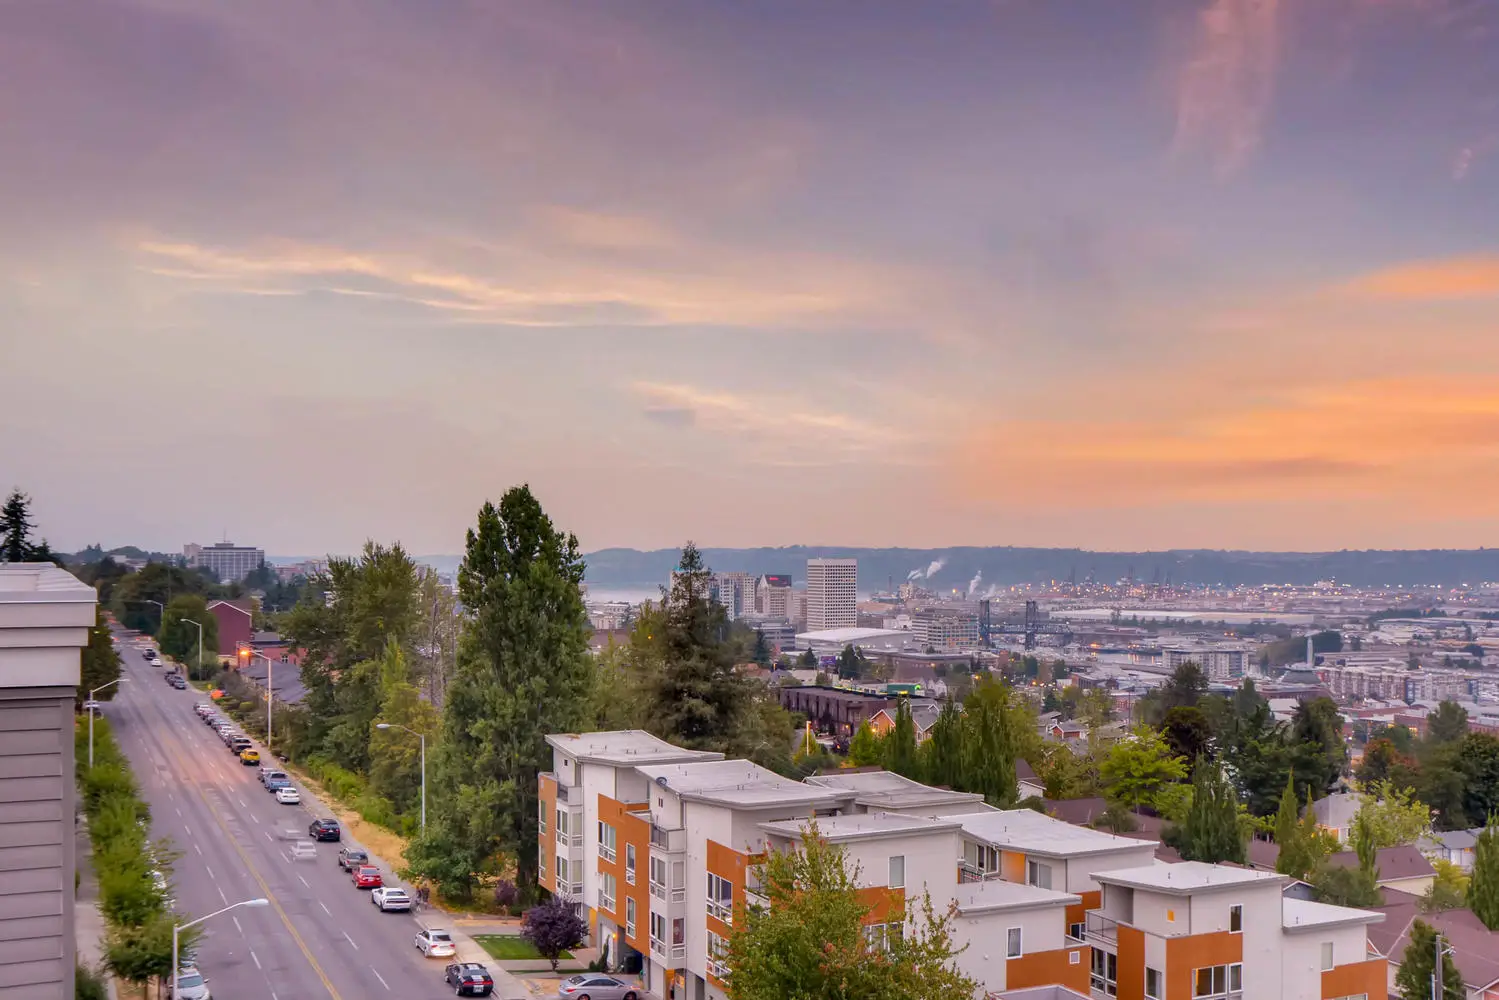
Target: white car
(388, 898)
(304, 850)
(155, 661)
(92, 706)
(191, 984)
(288, 796)
(435, 943)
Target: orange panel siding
(1196, 951)
(1132, 963)
(1012, 866)
(629, 828)
(1078, 912)
(1370, 977)
(1047, 968)
(885, 905)
(546, 843)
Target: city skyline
(1216, 274)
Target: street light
(423, 738)
(199, 626)
(162, 608)
(177, 928)
(91, 711)
(270, 667)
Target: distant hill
(1005, 566)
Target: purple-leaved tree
(553, 928)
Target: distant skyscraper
(735, 591)
(772, 596)
(832, 594)
(229, 562)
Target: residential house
(1453, 846)
(1475, 948)
(236, 624)
(1403, 868)
(1335, 813)
(924, 715)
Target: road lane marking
(236, 924)
(241, 802)
(198, 849)
(178, 811)
(188, 829)
(325, 907)
(223, 897)
(379, 977)
(210, 873)
(350, 940)
(268, 836)
(257, 961)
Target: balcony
(606, 903)
(972, 873)
(672, 956)
(722, 909)
(718, 969)
(606, 853)
(754, 893)
(1101, 929)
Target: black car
(468, 979)
(324, 829)
(352, 857)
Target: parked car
(352, 857)
(92, 706)
(191, 984)
(468, 979)
(249, 756)
(177, 681)
(324, 829)
(148, 655)
(592, 986)
(239, 744)
(389, 898)
(273, 783)
(435, 943)
(367, 877)
(288, 796)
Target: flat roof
(1036, 833)
(624, 747)
(1185, 877)
(43, 583)
(888, 790)
(1303, 914)
(851, 634)
(996, 894)
(865, 826)
(741, 784)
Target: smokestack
(1311, 659)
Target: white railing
(718, 970)
(606, 852)
(629, 876)
(606, 903)
(658, 890)
(676, 952)
(722, 910)
(971, 873)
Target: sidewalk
(88, 922)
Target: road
(320, 937)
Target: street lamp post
(423, 738)
(91, 710)
(178, 928)
(162, 608)
(270, 669)
(199, 626)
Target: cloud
(1471, 154)
(1453, 278)
(1226, 87)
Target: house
(1453, 846)
(1402, 868)
(1029, 784)
(924, 715)
(236, 624)
(1335, 813)
(1475, 948)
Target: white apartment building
(1220, 663)
(735, 592)
(945, 629)
(832, 594)
(229, 562)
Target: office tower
(832, 600)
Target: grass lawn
(511, 948)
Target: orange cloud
(1453, 278)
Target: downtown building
(227, 561)
(832, 594)
(658, 846)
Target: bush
(506, 895)
(88, 985)
(553, 927)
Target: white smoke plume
(915, 574)
(973, 585)
(937, 564)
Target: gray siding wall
(37, 803)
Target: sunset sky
(1106, 273)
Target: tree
(178, 637)
(1380, 757)
(139, 953)
(1318, 751)
(1138, 767)
(15, 532)
(1483, 883)
(900, 744)
(1187, 732)
(813, 941)
(1448, 891)
(1211, 832)
(1478, 765)
(808, 659)
(942, 754)
(1185, 687)
(395, 754)
(524, 670)
(1393, 816)
(552, 928)
(998, 729)
(99, 663)
(1067, 775)
(1414, 976)
(851, 663)
(1447, 724)
(1342, 886)
(1294, 857)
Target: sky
(1117, 275)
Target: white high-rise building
(228, 561)
(832, 594)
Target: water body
(1205, 615)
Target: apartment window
(563, 888)
(1153, 984)
(606, 841)
(542, 819)
(1012, 942)
(1218, 981)
(1105, 974)
(562, 824)
(658, 878)
(880, 936)
(897, 872)
(1038, 874)
(629, 864)
(658, 931)
(718, 954)
(629, 916)
(541, 864)
(1326, 955)
(720, 898)
(607, 887)
(1236, 918)
(1076, 931)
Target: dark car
(352, 857)
(324, 829)
(177, 681)
(468, 979)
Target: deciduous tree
(1187, 732)
(1483, 883)
(179, 637)
(1447, 724)
(1393, 816)
(552, 928)
(1413, 977)
(864, 750)
(100, 663)
(1138, 767)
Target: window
(1326, 955)
(1105, 975)
(897, 872)
(1038, 874)
(629, 916)
(879, 936)
(1236, 918)
(1153, 984)
(607, 887)
(542, 819)
(563, 887)
(658, 932)
(562, 825)
(606, 841)
(1012, 942)
(720, 898)
(1076, 931)
(629, 864)
(718, 953)
(658, 878)
(1218, 981)
(541, 863)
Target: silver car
(191, 984)
(593, 986)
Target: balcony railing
(675, 952)
(722, 909)
(629, 876)
(679, 895)
(673, 841)
(606, 903)
(972, 873)
(606, 852)
(1102, 928)
(658, 890)
(717, 969)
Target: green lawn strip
(512, 948)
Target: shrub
(506, 895)
(553, 927)
(88, 985)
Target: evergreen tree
(942, 754)
(1293, 859)
(851, 664)
(524, 671)
(864, 750)
(1447, 724)
(100, 663)
(1483, 884)
(900, 744)
(999, 728)
(1211, 832)
(1413, 978)
(15, 528)
(1139, 767)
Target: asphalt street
(320, 937)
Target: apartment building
(735, 592)
(1219, 663)
(773, 596)
(227, 561)
(945, 629)
(832, 594)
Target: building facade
(945, 629)
(773, 596)
(45, 616)
(1218, 662)
(229, 562)
(832, 594)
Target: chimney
(1311, 658)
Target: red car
(366, 877)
